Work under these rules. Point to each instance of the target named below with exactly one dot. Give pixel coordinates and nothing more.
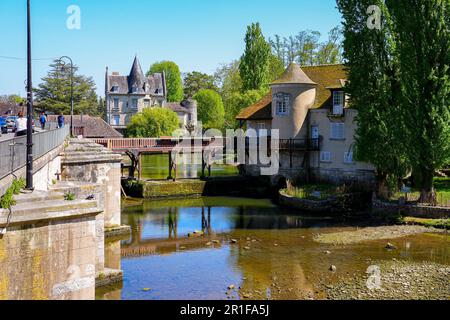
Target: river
(275, 256)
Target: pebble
(231, 287)
(209, 244)
(333, 268)
(247, 248)
(390, 246)
(233, 241)
(327, 252)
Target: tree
(195, 81)
(237, 102)
(153, 123)
(173, 79)
(329, 52)
(423, 46)
(254, 66)
(53, 94)
(228, 79)
(210, 109)
(373, 86)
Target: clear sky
(197, 34)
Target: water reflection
(274, 257)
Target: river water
(275, 256)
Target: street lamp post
(29, 173)
(71, 90)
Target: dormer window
(282, 101)
(134, 89)
(338, 102)
(115, 89)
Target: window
(115, 89)
(325, 156)
(348, 157)
(337, 131)
(338, 102)
(282, 103)
(117, 120)
(116, 104)
(262, 132)
(134, 104)
(134, 89)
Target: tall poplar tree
(373, 86)
(255, 62)
(423, 43)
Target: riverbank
(373, 233)
(399, 280)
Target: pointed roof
(294, 75)
(136, 78)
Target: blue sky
(196, 34)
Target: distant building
(126, 96)
(309, 108)
(89, 127)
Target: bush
(153, 123)
(211, 111)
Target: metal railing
(13, 151)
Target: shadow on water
(266, 250)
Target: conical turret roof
(136, 78)
(294, 75)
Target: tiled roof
(94, 127)
(293, 75)
(327, 78)
(258, 111)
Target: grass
(442, 186)
(313, 191)
(435, 223)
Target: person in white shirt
(21, 125)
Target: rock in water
(333, 268)
(231, 287)
(390, 246)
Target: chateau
(128, 95)
(316, 125)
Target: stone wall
(86, 161)
(49, 256)
(417, 210)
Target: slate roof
(94, 127)
(327, 77)
(152, 85)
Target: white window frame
(282, 104)
(337, 131)
(116, 107)
(325, 156)
(338, 102)
(348, 158)
(133, 105)
(116, 120)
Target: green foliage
(7, 200)
(373, 87)
(254, 66)
(195, 81)
(69, 196)
(237, 102)
(18, 185)
(211, 111)
(53, 93)
(173, 79)
(153, 123)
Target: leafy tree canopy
(195, 81)
(53, 94)
(153, 123)
(173, 79)
(210, 109)
(254, 66)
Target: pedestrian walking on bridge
(43, 120)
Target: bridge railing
(13, 151)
